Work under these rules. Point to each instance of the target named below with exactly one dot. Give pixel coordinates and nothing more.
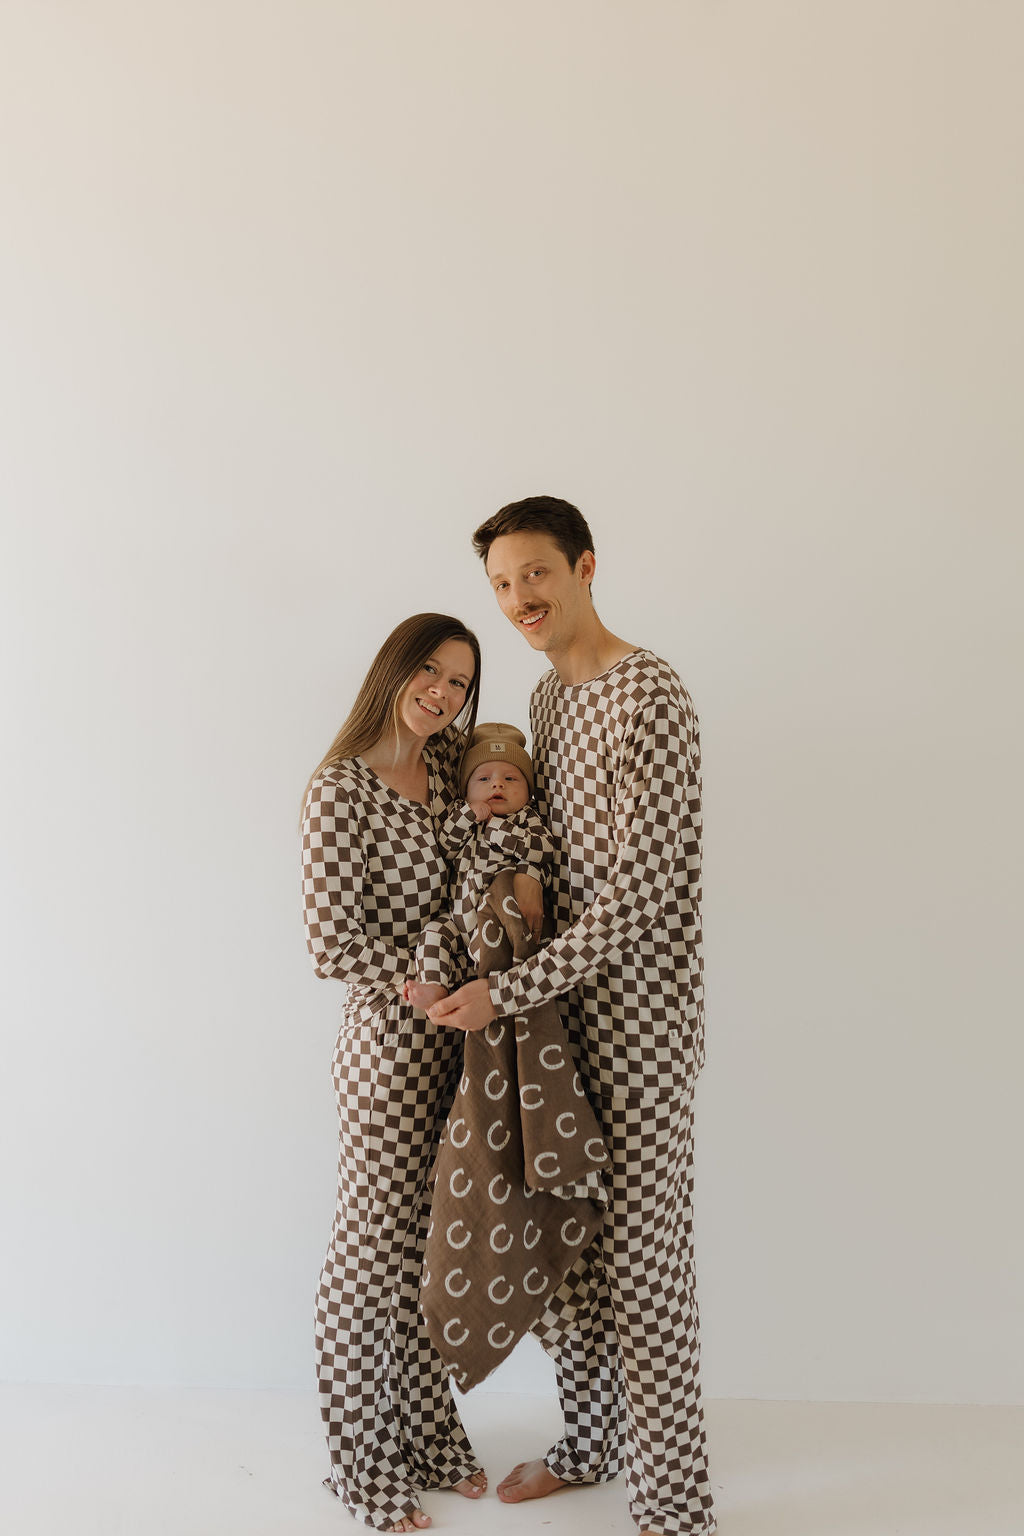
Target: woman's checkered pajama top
(617, 771)
(372, 878)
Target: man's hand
(469, 1008)
(529, 894)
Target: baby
(497, 828)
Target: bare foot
(415, 1521)
(530, 1480)
(472, 1486)
(424, 994)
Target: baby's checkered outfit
(617, 764)
(480, 850)
(372, 877)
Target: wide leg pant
(392, 1425)
(624, 1324)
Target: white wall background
(293, 296)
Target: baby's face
(499, 785)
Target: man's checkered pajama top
(617, 770)
(372, 878)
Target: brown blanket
(517, 1182)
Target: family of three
(605, 820)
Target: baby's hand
(529, 896)
(481, 808)
(423, 994)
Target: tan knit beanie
(496, 742)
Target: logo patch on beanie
(497, 746)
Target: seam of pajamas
(372, 877)
(617, 772)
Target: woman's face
(439, 689)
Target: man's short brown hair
(560, 520)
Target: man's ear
(585, 567)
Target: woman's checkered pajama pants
(626, 1315)
(392, 1426)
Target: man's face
(500, 785)
(537, 589)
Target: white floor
(102, 1461)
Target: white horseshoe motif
(448, 1332)
(524, 1036)
(451, 1289)
(497, 1146)
(510, 907)
(424, 1279)
(499, 1301)
(459, 1194)
(577, 1087)
(491, 927)
(534, 1290)
(552, 1173)
(559, 1063)
(528, 1193)
(531, 1088)
(526, 1241)
(464, 1085)
(573, 1242)
(452, 1136)
(430, 1229)
(451, 1241)
(570, 1116)
(501, 1227)
(499, 1199)
(487, 1085)
(504, 1343)
(601, 1152)
(499, 1037)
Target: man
(617, 764)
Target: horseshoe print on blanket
(518, 1186)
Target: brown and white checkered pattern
(617, 764)
(372, 878)
(617, 770)
(480, 851)
(626, 1318)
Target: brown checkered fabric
(372, 878)
(617, 763)
(480, 850)
(517, 1184)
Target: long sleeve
(455, 830)
(339, 932)
(651, 829)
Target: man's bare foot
(530, 1480)
(424, 994)
(473, 1486)
(414, 1521)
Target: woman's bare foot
(424, 994)
(530, 1480)
(416, 1520)
(472, 1486)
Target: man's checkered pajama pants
(626, 1315)
(392, 1426)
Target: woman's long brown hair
(404, 651)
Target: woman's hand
(529, 895)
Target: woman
(372, 877)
